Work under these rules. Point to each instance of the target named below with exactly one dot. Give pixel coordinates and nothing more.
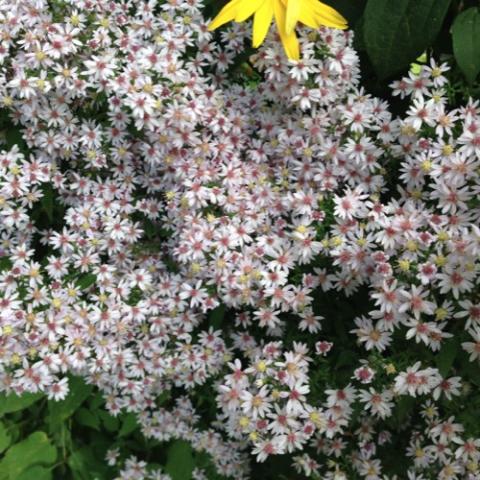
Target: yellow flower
(313, 14)
(287, 14)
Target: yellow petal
(308, 18)
(289, 41)
(324, 14)
(293, 14)
(247, 9)
(226, 14)
(261, 22)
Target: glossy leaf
(396, 32)
(466, 42)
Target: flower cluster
(267, 401)
(135, 469)
(86, 285)
(173, 224)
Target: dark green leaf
(47, 202)
(13, 136)
(396, 32)
(95, 401)
(466, 42)
(5, 264)
(403, 409)
(216, 316)
(180, 462)
(129, 424)
(87, 418)
(110, 423)
(446, 356)
(85, 465)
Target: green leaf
(470, 370)
(85, 465)
(36, 449)
(5, 264)
(5, 438)
(47, 202)
(129, 425)
(446, 356)
(86, 280)
(95, 401)
(36, 473)
(180, 463)
(466, 42)
(109, 422)
(60, 411)
(14, 403)
(403, 409)
(216, 316)
(13, 136)
(85, 417)
(396, 32)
